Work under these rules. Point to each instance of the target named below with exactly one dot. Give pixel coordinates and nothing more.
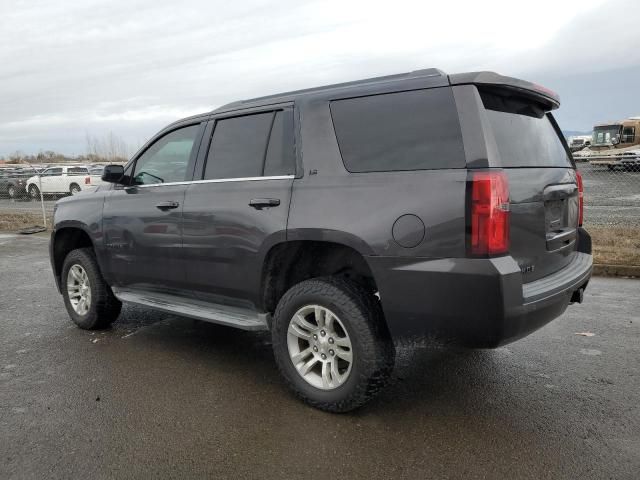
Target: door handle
(167, 205)
(260, 203)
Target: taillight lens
(580, 198)
(87, 180)
(489, 213)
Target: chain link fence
(28, 192)
(612, 211)
(612, 203)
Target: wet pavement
(162, 396)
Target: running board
(243, 318)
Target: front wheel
(331, 344)
(12, 192)
(88, 299)
(74, 189)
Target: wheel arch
(293, 261)
(65, 239)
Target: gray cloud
(71, 68)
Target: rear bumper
(479, 302)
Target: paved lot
(161, 396)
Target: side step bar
(243, 318)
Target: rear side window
(77, 171)
(524, 134)
(416, 130)
(238, 147)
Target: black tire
(373, 351)
(34, 192)
(104, 306)
(12, 191)
(74, 189)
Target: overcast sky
(71, 68)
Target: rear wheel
(34, 192)
(74, 189)
(331, 344)
(88, 299)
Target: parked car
(94, 179)
(13, 183)
(59, 180)
(341, 218)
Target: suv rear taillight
(488, 210)
(580, 198)
(87, 180)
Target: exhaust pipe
(577, 296)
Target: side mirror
(113, 173)
(615, 141)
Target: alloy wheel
(319, 347)
(79, 289)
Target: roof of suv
(546, 96)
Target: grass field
(612, 245)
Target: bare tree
(110, 148)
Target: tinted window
(238, 147)
(167, 159)
(51, 172)
(77, 171)
(524, 134)
(280, 158)
(415, 130)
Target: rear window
(416, 130)
(524, 134)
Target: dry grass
(615, 245)
(12, 222)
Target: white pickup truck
(64, 180)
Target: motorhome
(614, 145)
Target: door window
(50, 172)
(280, 158)
(628, 135)
(167, 159)
(238, 147)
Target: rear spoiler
(542, 95)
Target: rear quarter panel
(329, 203)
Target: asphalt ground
(158, 396)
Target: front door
(142, 221)
(240, 206)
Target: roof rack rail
(425, 72)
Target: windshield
(604, 135)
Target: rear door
(542, 183)
(239, 206)
(75, 177)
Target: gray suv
(341, 218)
